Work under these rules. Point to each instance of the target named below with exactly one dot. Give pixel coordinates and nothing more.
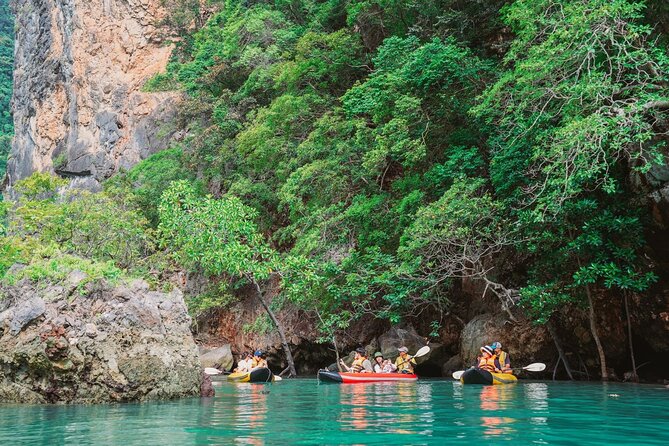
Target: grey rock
(452, 365)
(25, 313)
(397, 337)
(220, 358)
(77, 91)
(524, 342)
(91, 330)
(98, 349)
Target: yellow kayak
(479, 376)
(261, 375)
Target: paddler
(404, 361)
(259, 360)
(245, 363)
(487, 361)
(502, 360)
(360, 364)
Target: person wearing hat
(378, 362)
(258, 360)
(487, 361)
(404, 361)
(502, 360)
(360, 364)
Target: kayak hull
(354, 378)
(261, 375)
(479, 376)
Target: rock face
(79, 68)
(220, 358)
(93, 343)
(524, 342)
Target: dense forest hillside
(6, 69)
(377, 157)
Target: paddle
(534, 367)
(212, 371)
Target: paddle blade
(535, 367)
(212, 371)
(457, 375)
(277, 378)
(422, 352)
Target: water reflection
(495, 399)
(251, 413)
(398, 408)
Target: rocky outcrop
(79, 69)
(218, 358)
(90, 343)
(525, 343)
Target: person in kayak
(383, 365)
(258, 360)
(404, 361)
(502, 360)
(244, 364)
(487, 361)
(360, 364)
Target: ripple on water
(302, 411)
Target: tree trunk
(634, 377)
(334, 342)
(279, 327)
(595, 335)
(563, 357)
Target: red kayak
(350, 378)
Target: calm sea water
(304, 412)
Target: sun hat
(487, 349)
(403, 349)
(378, 355)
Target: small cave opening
(428, 370)
(651, 366)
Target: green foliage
(372, 153)
(216, 236)
(583, 93)
(215, 298)
(145, 183)
(386, 149)
(54, 232)
(6, 81)
(40, 186)
(456, 235)
(57, 267)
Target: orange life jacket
(487, 364)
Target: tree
(458, 236)
(220, 238)
(581, 104)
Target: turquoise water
(302, 411)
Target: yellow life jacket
(357, 364)
(405, 364)
(258, 363)
(501, 360)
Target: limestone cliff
(79, 68)
(78, 342)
